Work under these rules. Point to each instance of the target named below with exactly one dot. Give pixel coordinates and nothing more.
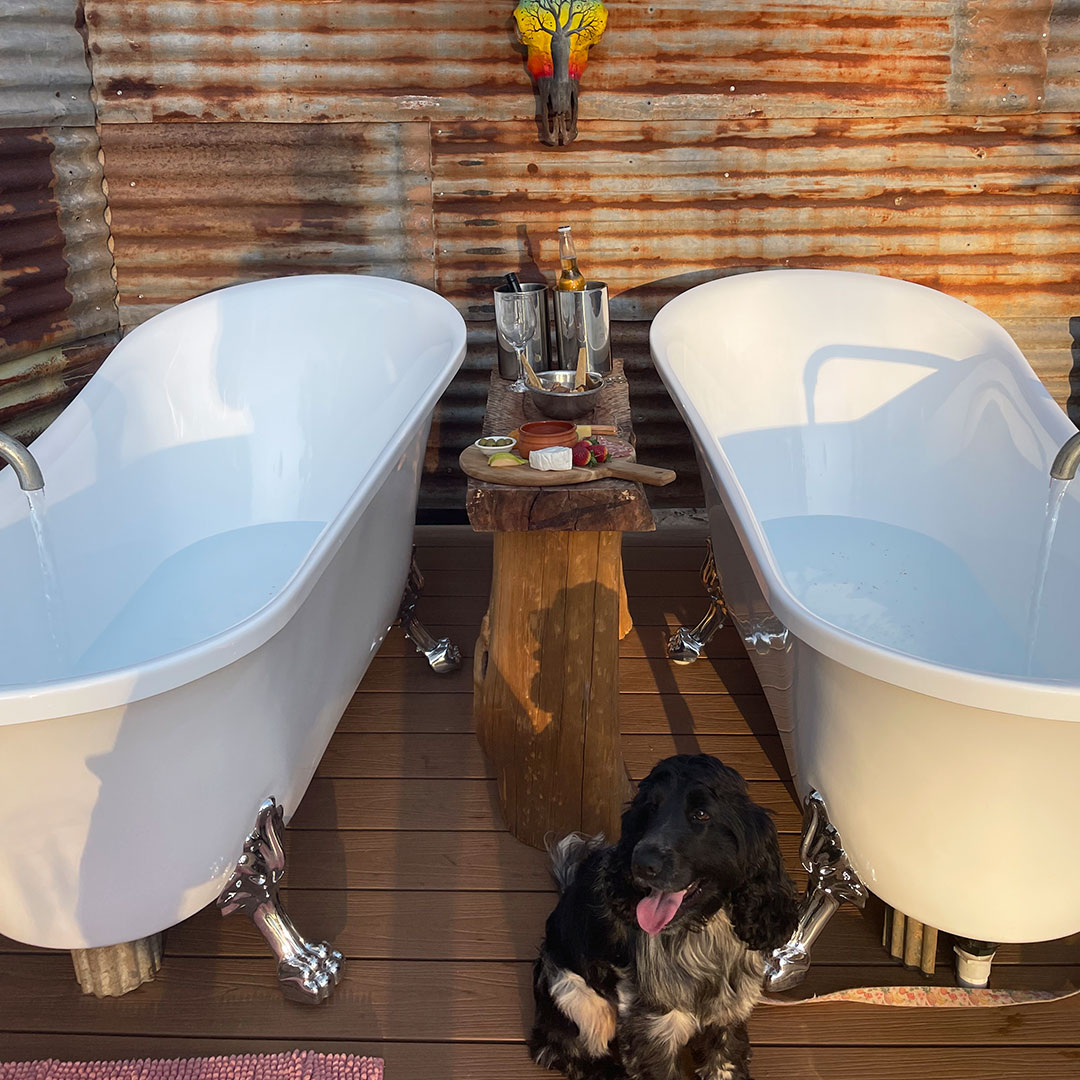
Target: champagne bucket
(582, 322)
(538, 349)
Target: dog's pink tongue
(658, 909)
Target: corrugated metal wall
(197, 206)
(58, 315)
(929, 139)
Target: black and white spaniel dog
(655, 946)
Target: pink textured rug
(930, 997)
(299, 1065)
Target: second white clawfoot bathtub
(876, 459)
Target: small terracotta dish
(539, 434)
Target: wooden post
(546, 683)
(913, 936)
(911, 942)
(114, 970)
(626, 624)
(545, 675)
(928, 960)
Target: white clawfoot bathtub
(876, 459)
(229, 504)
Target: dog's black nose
(647, 863)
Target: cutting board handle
(642, 474)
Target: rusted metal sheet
(1063, 58)
(445, 60)
(198, 206)
(1052, 347)
(982, 208)
(44, 79)
(999, 56)
(56, 282)
(662, 436)
(34, 389)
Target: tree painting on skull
(558, 35)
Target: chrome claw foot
(307, 972)
(832, 882)
(442, 654)
(310, 978)
(685, 646)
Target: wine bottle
(571, 279)
(513, 283)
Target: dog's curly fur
(616, 1003)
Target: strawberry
(582, 454)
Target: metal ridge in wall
(1063, 58)
(56, 283)
(44, 79)
(982, 208)
(35, 389)
(198, 206)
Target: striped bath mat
(299, 1065)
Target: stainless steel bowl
(565, 406)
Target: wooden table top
(598, 506)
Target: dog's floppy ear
(635, 818)
(763, 910)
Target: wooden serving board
(475, 464)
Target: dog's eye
(699, 817)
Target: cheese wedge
(552, 459)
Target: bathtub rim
(1035, 698)
(116, 687)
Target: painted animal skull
(558, 35)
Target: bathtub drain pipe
(973, 962)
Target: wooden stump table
(546, 671)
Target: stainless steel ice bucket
(538, 350)
(582, 321)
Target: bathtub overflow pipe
(26, 468)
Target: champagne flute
(515, 318)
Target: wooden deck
(397, 854)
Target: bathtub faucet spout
(1068, 458)
(22, 461)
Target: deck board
(639, 714)
(398, 854)
(464, 924)
(441, 804)
(457, 755)
(450, 1001)
(637, 675)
